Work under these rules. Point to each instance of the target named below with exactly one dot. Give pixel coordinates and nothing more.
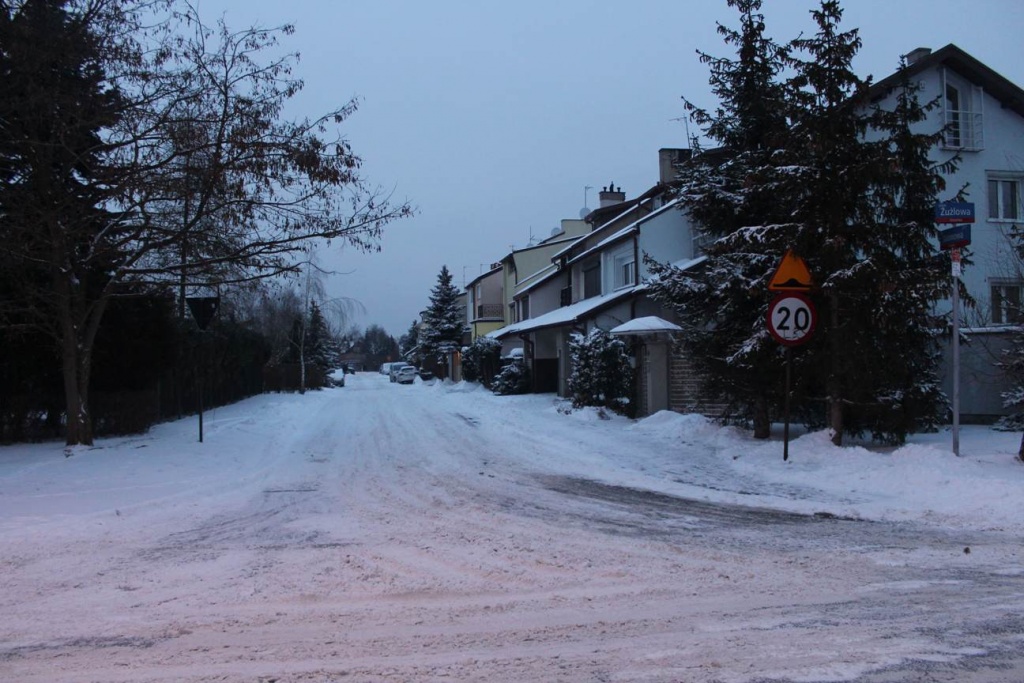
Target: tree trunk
(835, 382)
(78, 334)
(1020, 451)
(762, 423)
(76, 366)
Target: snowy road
(383, 532)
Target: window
(592, 278)
(953, 113)
(1006, 298)
(1004, 198)
(961, 108)
(700, 243)
(624, 270)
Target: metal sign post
(961, 216)
(791, 319)
(954, 255)
(791, 322)
(203, 308)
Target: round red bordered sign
(792, 319)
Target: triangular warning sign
(791, 275)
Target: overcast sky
(492, 117)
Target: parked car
(395, 367)
(406, 375)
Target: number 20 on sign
(791, 319)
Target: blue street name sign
(958, 236)
(954, 212)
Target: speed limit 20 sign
(791, 319)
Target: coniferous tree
(139, 144)
(322, 348)
(601, 372)
(54, 104)
(863, 191)
(443, 321)
(514, 378)
(409, 343)
(721, 302)
(481, 360)
(1011, 363)
(850, 189)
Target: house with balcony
(981, 114)
(524, 269)
(485, 307)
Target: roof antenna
(585, 210)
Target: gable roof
(631, 229)
(482, 276)
(1010, 95)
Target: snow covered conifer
(322, 348)
(862, 195)
(740, 218)
(601, 372)
(480, 360)
(408, 344)
(849, 188)
(443, 321)
(514, 378)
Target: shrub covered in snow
(514, 378)
(480, 360)
(602, 374)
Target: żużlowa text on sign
(954, 212)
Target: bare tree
(163, 160)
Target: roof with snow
(567, 314)
(541, 276)
(650, 324)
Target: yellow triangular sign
(791, 275)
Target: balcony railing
(490, 311)
(964, 130)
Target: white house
(982, 116)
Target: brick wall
(684, 387)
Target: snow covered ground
(381, 532)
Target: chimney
(668, 161)
(611, 195)
(917, 54)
